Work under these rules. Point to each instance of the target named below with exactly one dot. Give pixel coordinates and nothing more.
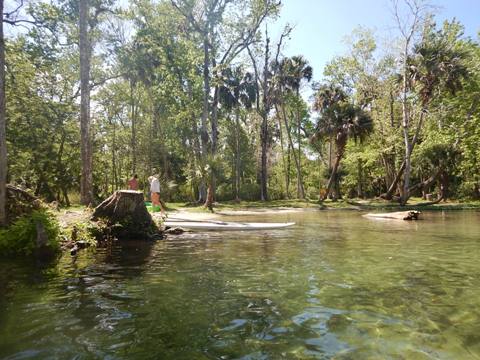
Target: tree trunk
(264, 128)
(360, 179)
(205, 111)
(406, 174)
(86, 187)
(289, 136)
(204, 132)
(389, 166)
(202, 192)
(209, 201)
(65, 196)
(289, 166)
(282, 145)
(409, 146)
(237, 156)
(389, 194)
(443, 192)
(124, 206)
(330, 152)
(3, 135)
(206, 94)
(332, 180)
(114, 158)
(197, 152)
(133, 115)
(214, 125)
(424, 184)
(300, 188)
(405, 127)
(263, 172)
(333, 175)
(214, 119)
(262, 177)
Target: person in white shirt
(155, 192)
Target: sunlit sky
(322, 25)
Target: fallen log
(399, 215)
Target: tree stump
(126, 208)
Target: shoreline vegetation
(75, 214)
(77, 217)
(348, 204)
(74, 229)
(215, 110)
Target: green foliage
(20, 237)
(149, 96)
(86, 231)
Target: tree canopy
(199, 91)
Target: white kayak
(210, 225)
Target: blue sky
(322, 25)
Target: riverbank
(349, 204)
(78, 214)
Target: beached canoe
(210, 225)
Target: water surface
(334, 286)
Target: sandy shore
(192, 215)
(70, 217)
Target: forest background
(202, 93)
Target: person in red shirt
(133, 183)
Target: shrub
(20, 237)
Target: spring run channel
(335, 285)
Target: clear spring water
(334, 286)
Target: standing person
(155, 192)
(133, 183)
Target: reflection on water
(334, 286)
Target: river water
(336, 285)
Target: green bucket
(151, 208)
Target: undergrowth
(20, 237)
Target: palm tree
(296, 69)
(289, 75)
(436, 64)
(237, 90)
(341, 120)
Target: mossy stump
(126, 215)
